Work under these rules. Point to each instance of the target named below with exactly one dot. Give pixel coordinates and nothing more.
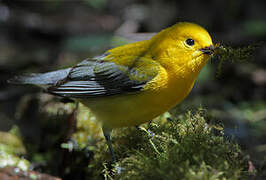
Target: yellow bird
(132, 84)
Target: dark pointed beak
(208, 50)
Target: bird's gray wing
(94, 78)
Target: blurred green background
(40, 36)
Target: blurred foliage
(10, 142)
(255, 28)
(98, 4)
(88, 128)
(12, 149)
(8, 160)
(90, 43)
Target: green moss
(7, 159)
(235, 55)
(185, 147)
(11, 147)
(10, 142)
(88, 129)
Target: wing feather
(94, 78)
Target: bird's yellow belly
(135, 109)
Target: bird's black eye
(190, 42)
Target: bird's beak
(208, 50)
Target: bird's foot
(147, 131)
(150, 134)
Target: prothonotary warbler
(132, 84)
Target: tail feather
(49, 78)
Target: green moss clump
(11, 142)
(11, 149)
(235, 55)
(185, 147)
(88, 129)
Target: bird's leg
(107, 133)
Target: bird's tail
(41, 79)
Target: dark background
(39, 36)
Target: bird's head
(184, 44)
